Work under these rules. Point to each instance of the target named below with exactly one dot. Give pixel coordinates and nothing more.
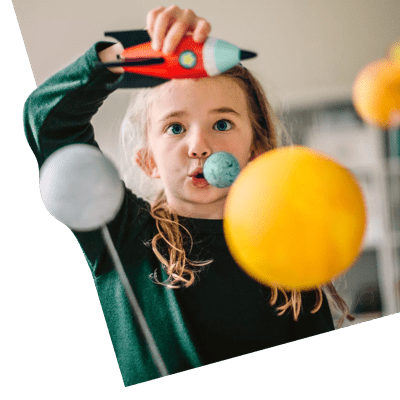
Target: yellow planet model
(376, 94)
(394, 51)
(294, 217)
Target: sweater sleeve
(59, 113)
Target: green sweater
(224, 314)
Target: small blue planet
(221, 169)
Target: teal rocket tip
(220, 56)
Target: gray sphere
(221, 169)
(81, 187)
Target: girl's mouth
(199, 181)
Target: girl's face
(188, 121)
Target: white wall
(307, 50)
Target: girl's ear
(146, 163)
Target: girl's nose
(198, 145)
(200, 154)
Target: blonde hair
(268, 132)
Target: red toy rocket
(145, 67)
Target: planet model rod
(134, 303)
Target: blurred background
(309, 54)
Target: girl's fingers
(111, 54)
(162, 23)
(186, 24)
(178, 30)
(202, 30)
(151, 19)
(167, 27)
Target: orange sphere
(376, 93)
(394, 51)
(295, 218)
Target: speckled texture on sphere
(221, 169)
(81, 187)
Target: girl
(200, 306)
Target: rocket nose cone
(245, 55)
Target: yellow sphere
(294, 217)
(376, 93)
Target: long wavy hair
(268, 133)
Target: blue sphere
(221, 169)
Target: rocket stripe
(209, 61)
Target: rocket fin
(132, 81)
(130, 38)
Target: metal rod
(134, 303)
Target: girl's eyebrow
(222, 110)
(173, 115)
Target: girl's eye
(223, 125)
(175, 129)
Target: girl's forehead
(216, 91)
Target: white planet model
(81, 187)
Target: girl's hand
(167, 27)
(111, 54)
